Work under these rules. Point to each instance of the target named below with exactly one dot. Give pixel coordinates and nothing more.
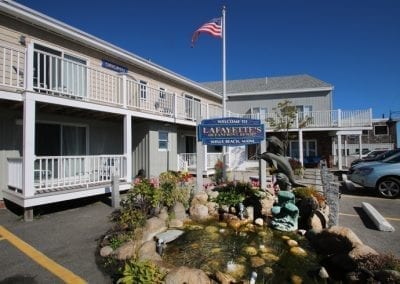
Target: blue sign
(113, 66)
(230, 131)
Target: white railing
(187, 161)
(56, 75)
(12, 65)
(317, 119)
(15, 173)
(149, 99)
(63, 171)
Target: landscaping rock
(125, 251)
(153, 227)
(266, 205)
(257, 261)
(322, 273)
(163, 215)
(212, 208)
(292, 243)
(298, 251)
(361, 251)
(259, 222)
(224, 278)
(199, 212)
(187, 275)
(179, 211)
(148, 252)
(175, 223)
(106, 251)
(200, 198)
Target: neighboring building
(324, 129)
(76, 110)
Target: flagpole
(224, 148)
(223, 63)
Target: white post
(124, 91)
(296, 123)
(29, 67)
(301, 158)
(360, 145)
(339, 115)
(128, 146)
(175, 106)
(28, 161)
(263, 165)
(345, 151)
(339, 147)
(200, 161)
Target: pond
(214, 247)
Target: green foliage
(233, 193)
(141, 272)
(174, 189)
(219, 172)
(144, 196)
(286, 114)
(306, 192)
(117, 240)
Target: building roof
(271, 85)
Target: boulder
(361, 251)
(266, 204)
(148, 252)
(199, 212)
(298, 251)
(200, 197)
(187, 275)
(179, 211)
(126, 251)
(257, 261)
(106, 251)
(259, 222)
(212, 208)
(163, 215)
(224, 278)
(175, 223)
(153, 227)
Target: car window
(392, 159)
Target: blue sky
(353, 45)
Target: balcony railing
(52, 172)
(68, 77)
(316, 119)
(12, 67)
(188, 161)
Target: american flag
(212, 27)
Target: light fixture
(22, 40)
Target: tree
(285, 118)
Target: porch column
(360, 145)
(345, 151)
(263, 165)
(28, 160)
(200, 158)
(128, 146)
(29, 67)
(339, 148)
(301, 158)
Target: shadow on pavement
(364, 218)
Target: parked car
(382, 175)
(376, 155)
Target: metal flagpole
(224, 148)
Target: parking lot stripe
(64, 274)
(355, 215)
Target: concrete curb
(377, 218)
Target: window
(259, 112)
(309, 148)
(163, 94)
(192, 107)
(381, 130)
(163, 140)
(143, 90)
(252, 151)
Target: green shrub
(117, 240)
(141, 272)
(306, 192)
(233, 193)
(173, 188)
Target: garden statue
(285, 214)
(275, 156)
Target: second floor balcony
(66, 76)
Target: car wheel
(389, 187)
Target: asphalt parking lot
(352, 215)
(59, 246)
